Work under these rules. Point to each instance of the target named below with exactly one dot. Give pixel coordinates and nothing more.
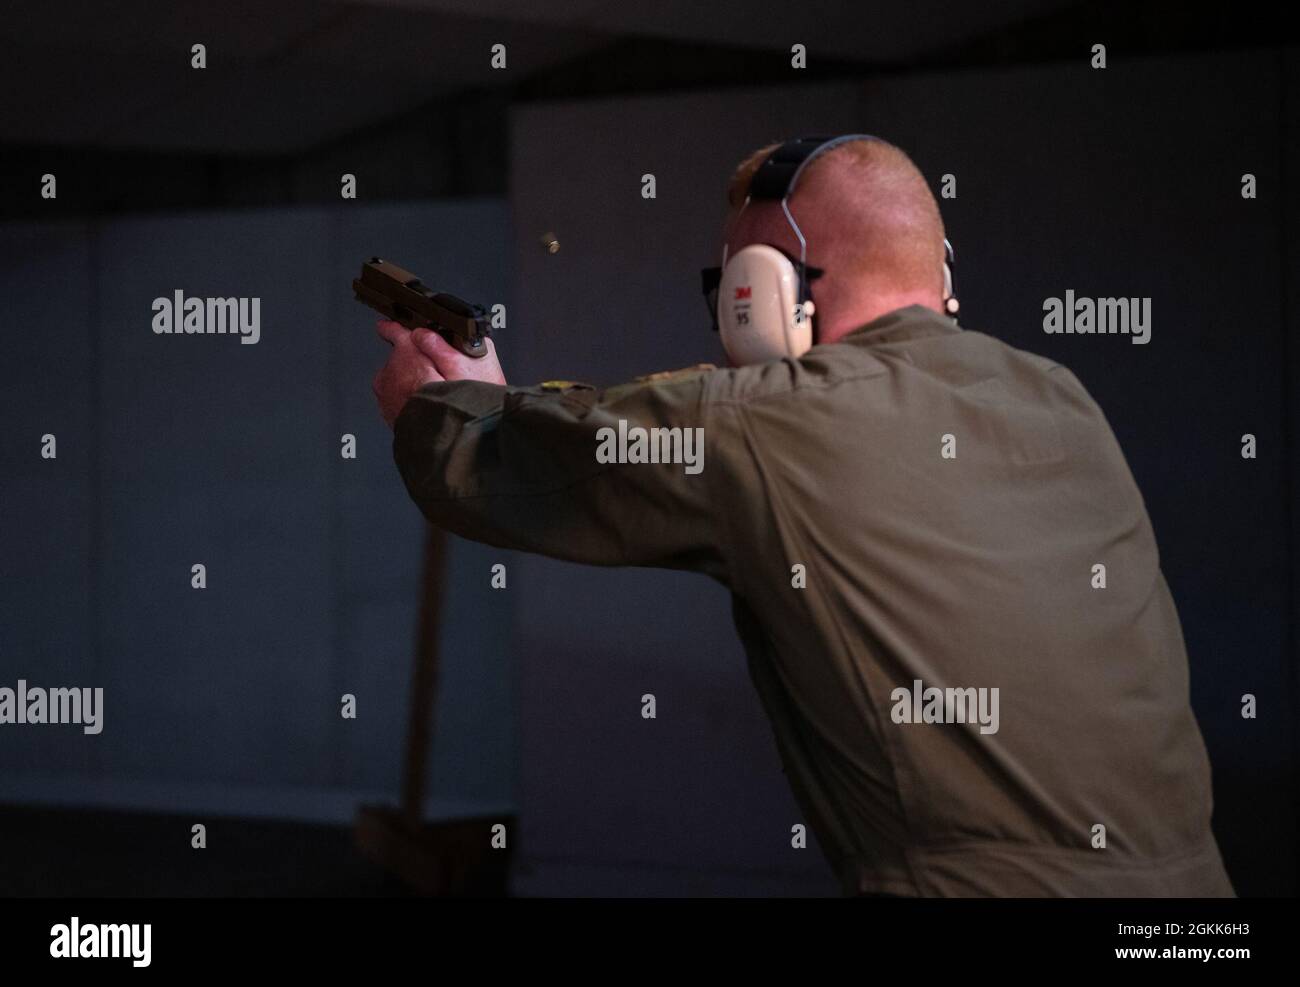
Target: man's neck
(848, 320)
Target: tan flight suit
(948, 498)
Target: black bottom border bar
(432, 936)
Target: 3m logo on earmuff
(742, 301)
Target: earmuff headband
(777, 177)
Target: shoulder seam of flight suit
(721, 519)
(723, 545)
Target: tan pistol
(400, 295)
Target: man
(942, 571)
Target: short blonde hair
(889, 222)
(738, 186)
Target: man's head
(870, 222)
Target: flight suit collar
(908, 322)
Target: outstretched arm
(538, 468)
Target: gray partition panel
(176, 450)
(47, 529)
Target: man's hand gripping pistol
(401, 296)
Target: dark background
(222, 705)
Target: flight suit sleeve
(524, 468)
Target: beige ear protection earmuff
(760, 299)
(762, 313)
